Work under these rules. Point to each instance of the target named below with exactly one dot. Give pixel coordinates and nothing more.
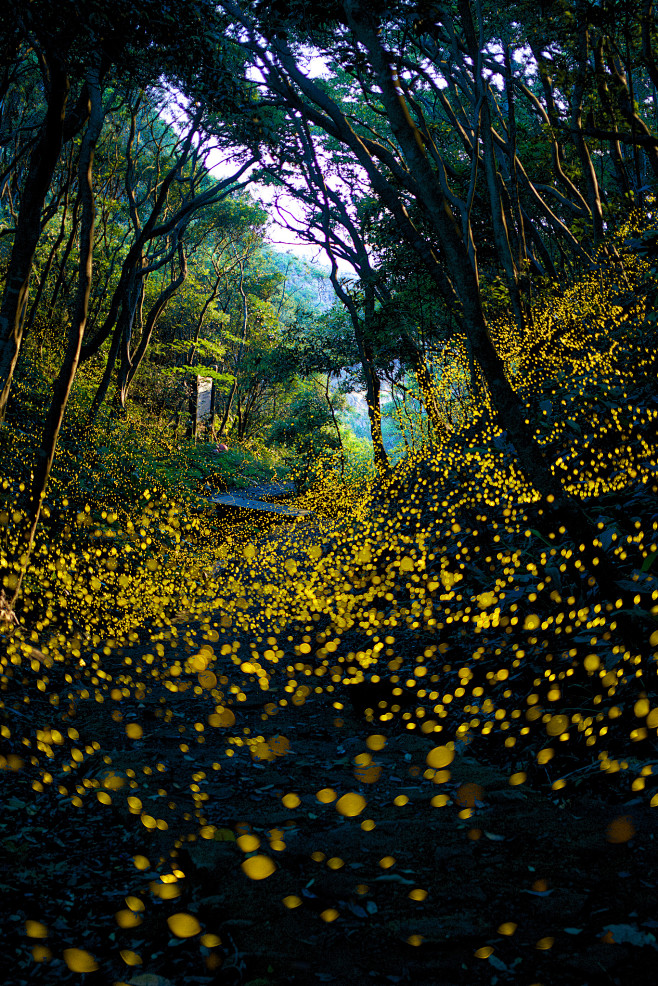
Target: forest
(328, 492)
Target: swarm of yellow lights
(467, 620)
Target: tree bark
(500, 230)
(29, 321)
(560, 508)
(373, 385)
(68, 370)
(213, 408)
(238, 361)
(373, 396)
(550, 117)
(157, 308)
(43, 161)
(619, 84)
(592, 185)
(426, 386)
(128, 305)
(191, 427)
(609, 110)
(135, 254)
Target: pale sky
(279, 235)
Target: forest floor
(386, 877)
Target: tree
(177, 195)
(334, 227)
(65, 46)
(68, 42)
(405, 162)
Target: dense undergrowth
(436, 601)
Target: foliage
(429, 638)
(309, 433)
(434, 610)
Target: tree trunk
(68, 370)
(626, 102)
(61, 273)
(515, 194)
(29, 322)
(125, 362)
(373, 385)
(609, 110)
(426, 386)
(550, 116)
(135, 257)
(577, 95)
(155, 312)
(43, 161)
(191, 428)
(213, 407)
(560, 508)
(335, 421)
(243, 339)
(123, 322)
(500, 230)
(373, 392)
(239, 417)
(227, 409)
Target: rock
(490, 778)
(212, 855)
(411, 743)
(149, 979)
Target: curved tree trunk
(157, 308)
(577, 95)
(373, 396)
(609, 110)
(373, 385)
(29, 321)
(243, 339)
(128, 305)
(560, 508)
(43, 161)
(332, 411)
(67, 373)
(427, 387)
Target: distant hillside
(307, 285)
